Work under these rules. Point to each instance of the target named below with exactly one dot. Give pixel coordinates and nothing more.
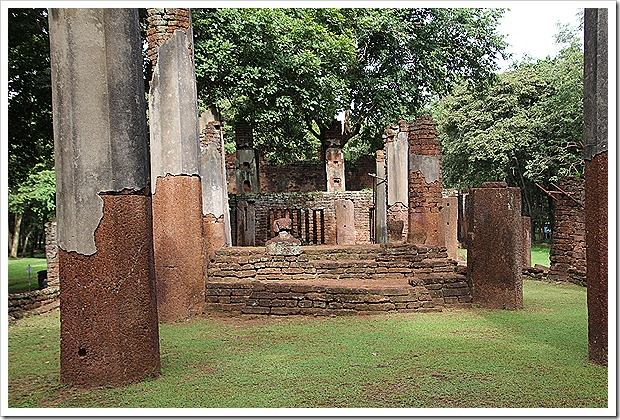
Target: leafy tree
(290, 71)
(30, 132)
(524, 129)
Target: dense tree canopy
(290, 71)
(30, 133)
(524, 129)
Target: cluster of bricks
(37, 301)
(567, 254)
(424, 197)
(394, 278)
(263, 202)
(211, 135)
(161, 25)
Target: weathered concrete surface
(397, 157)
(448, 224)
(345, 222)
(173, 112)
(213, 178)
(334, 158)
(108, 311)
(162, 23)
(429, 166)
(596, 203)
(495, 247)
(380, 199)
(247, 172)
(108, 315)
(178, 246)
(98, 107)
(246, 223)
(527, 241)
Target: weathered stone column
(247, 164)
(216, 215)
(449, 222)
(396, 142)
(380, 184)
(595, 104)
(526, 236)
(108, 315)
(51, 253)
(424, 183)
(161, 26)
(175, 181)
(334, 158)
(494, 246)
(345, 222)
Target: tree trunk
(15, 242)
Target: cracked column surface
(396, 158)
(108, 314)
(424, 183)
(215, 211)
(177, 192)
(595, 106)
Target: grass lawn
(18, 276)
(537, 357)
(540, 255)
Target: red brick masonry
(325, 280)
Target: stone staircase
(335, 280)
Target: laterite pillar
(108, 313)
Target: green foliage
(457, 358)
(525, 128)
(30, 132)
(289, 72)
(36, 194)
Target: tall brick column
(424, 183)
(494, 246)
(567, 254)
(108, 314)
(396, 142)
(595, 104)
(175, 179)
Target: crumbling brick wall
(162, 24)
(567, 255)
(263, 202)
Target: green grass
(537, 357)
(18, 276)
(540, 255)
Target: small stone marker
(284, 243)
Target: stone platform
(335, 280)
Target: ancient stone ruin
(213, 233)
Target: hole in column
(82, 352)
(245, 165)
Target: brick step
(282, 298)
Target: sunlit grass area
(537, 357)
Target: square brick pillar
(495, 246)
(424, 183)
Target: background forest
(290, 72)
